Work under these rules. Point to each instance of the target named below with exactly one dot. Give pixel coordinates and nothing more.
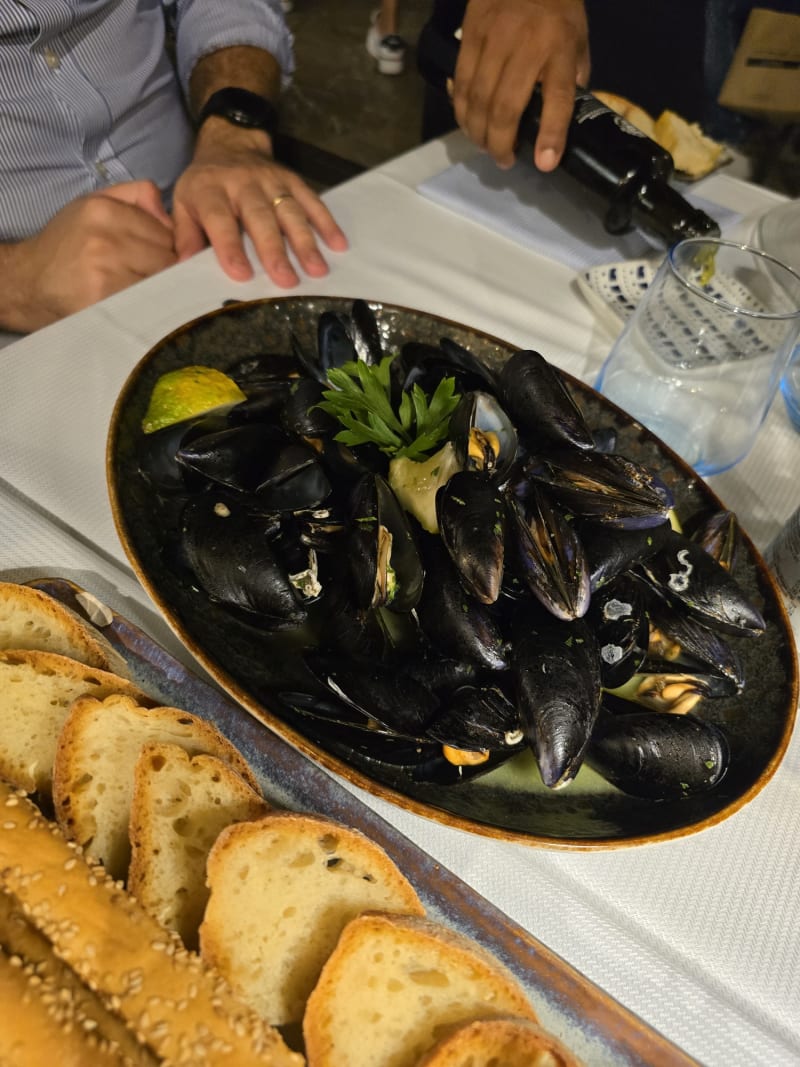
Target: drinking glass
(700, 359)
(778, 232)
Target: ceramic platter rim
(181, 347)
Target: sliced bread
(31, 619)
(499, 1043)
(395, 985)
(282, 890)
(180, 805)
(37, 690)
(96, 754)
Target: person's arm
(234, 185)
(93, 247)
(507, 47)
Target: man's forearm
(242, 67)
(13, 309)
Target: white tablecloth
(700, 937)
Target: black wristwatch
(242, 108)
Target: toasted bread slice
(496, 1042)
(37, 690)
(180, 805)
(31, 619)
(282, 890)
(693, 153)
(636, 115)
(96, 754)
(394, 985)
(182, 1010)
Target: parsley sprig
(361, 400)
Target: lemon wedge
(186, 392)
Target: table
(700, 937)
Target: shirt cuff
(203, 28)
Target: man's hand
(233, 186)
(507, 47)
(95, 246)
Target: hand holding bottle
(507, 46)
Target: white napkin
(549, 213)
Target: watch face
(242, 108)
(241, 118)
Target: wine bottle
(627, 170)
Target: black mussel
(439, 673)
(551, 555)
(293, 480)
(537, 398)
(391, 697)
(610, 551)
(263, 404)
(483, 435)
(557, 676)
(158, 451)
(384, 561)
(684, 573)
(601, 486)
(689, 645)
(618, 617)
(452, 620)
(228, 551)
(254, 373)
(238, 457)
(301, 417)
(658, 756)
(477, 718)
(426, 365)
(334, 343)
(720, 535)
(365, 332)
(662, 686)
(470, 512)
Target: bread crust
(181, 1009)
(31, 619)
(271, 933)
(490, 1042)
(93, 771)
(37, 690)
(180, 805)
(425, 979)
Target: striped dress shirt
(89, 96)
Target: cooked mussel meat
(483, 435)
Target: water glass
(700, 359)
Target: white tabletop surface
(701, 936)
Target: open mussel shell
(300, 414)
(365, 333)
(425, 365)
(483, 435)
(238, 457)
(255, 373)
(227, 549)
(158, 453)
(602, 486)
(551, 555)
(540, 403)
(557, 678)
(384, 561)
(685, 574)
(658, 756)
(471, 515)
(690, 645)
(719, 534)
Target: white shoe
(388, 51)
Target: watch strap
(241, 107)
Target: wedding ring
(280, 199)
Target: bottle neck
(662, 213)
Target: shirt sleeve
(205, 26)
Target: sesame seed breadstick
(38, 1025)
(75, 1003)
(183, 1010)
